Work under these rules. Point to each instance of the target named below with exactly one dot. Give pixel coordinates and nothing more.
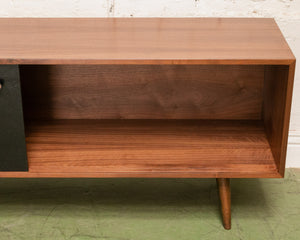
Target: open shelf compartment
(217, 121)
(147, 148)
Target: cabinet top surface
(142, 41)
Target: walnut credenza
(155, 98)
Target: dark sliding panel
(13, 155)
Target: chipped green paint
(138, 209)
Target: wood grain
(173, 85)
(142, 91)
(142, 41)
(277, 106)
(225, 199)
(147, 148)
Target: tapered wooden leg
(225, 198)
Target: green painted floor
(160, 209)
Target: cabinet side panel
(276, 109)
(13, 155)
(142, 91)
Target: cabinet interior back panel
(142, 91)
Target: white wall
(286, 13)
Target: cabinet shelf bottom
(147, 148)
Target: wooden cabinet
(171, 98)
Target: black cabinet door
(13, 155)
